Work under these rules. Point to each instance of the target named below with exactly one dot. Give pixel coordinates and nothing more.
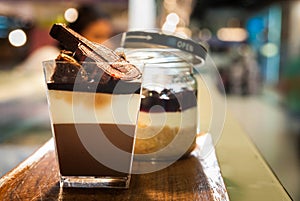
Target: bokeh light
(71, 15)
(173, 18)
(269, 50)
(17, 37)
(232, 34)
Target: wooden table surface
(187, 179)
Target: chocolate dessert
(88, 81)
(164, 116)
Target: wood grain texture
(37, 179)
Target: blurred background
(255, 45)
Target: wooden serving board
(192, 178)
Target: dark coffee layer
(112, 87)
(170, 101)
(75, 160)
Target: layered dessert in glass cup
(93, 106)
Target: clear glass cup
(93, 124)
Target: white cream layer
(84, 107)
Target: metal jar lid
(161, 47)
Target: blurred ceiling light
(269, 50)
(167, 27)
(172, 18)
(71, 15)
(171, 22)
(17, 37)
(230, 34)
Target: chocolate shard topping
(67, 70)
(84, 50)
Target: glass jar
(167, 122)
